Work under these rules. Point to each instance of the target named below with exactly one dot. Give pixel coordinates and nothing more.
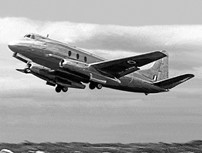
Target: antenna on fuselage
(47, 35)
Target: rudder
(159, 70)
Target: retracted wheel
(92, 86)
(99, 86)
(64, 89)
(58, 89)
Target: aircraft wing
(120, 67)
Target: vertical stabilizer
(159, 70)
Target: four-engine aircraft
(64, 66)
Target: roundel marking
(131, 62)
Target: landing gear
(27, 70)
(59, 88)
(99, 86)
(93, 85)
(64, 89)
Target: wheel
(92, 86)
(27, 70)
(99, 86)
(64, 89)
(58, 89)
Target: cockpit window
(30, 36)
(35, 36)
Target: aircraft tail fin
(172, 82)
(159, 70)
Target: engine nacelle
(42, 72)
(72, 64)
(52, 78)
(76, 68)
(40, 69)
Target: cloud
(183, 42)
(112, 36)
(26, 101)
(179, 40)
(13, 28)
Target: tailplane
(172, 82)
(158, 74)
(159, 70)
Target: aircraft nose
(12, 45)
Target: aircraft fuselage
(73, 64)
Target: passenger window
(77, 56)
(69, 53)
(85, 59)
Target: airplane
(64, 66)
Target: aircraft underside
(63, 67)
(62, 80)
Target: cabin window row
(77, 56)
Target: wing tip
(164, 52)
(190, 75)
(161, 53)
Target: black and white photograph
(100, 76)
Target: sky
(30, 110)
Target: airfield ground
(77, 147)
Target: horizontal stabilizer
(172, 82)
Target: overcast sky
(30, 110)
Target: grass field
(79, 147)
